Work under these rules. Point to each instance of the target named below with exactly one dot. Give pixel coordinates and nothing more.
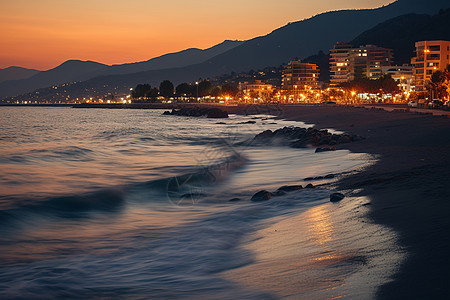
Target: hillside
(402, 32)
(173, 60)
(16, 73)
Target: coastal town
(355, 75)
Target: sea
(129, 203)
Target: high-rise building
(348, 63)
(299, 79)
(431, 56)
(339, 63)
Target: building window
(435, 48)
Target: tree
(184, 89)
(204, 88)
(229, 90)
(385, 84)
(439, 84)
(216, 91)
(166, 89)
(141, 90)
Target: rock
(167, 113)
(356, 138)
(216, 113)
(325, 149)
(261, 196)
(324, 140)
(198, 112)
(235, 200)
(344, 139)
(290, 188)
(300, 137)
(309, 186)
(221, 123)
(248, 122)
(329, 176)
(265, 135)
(336, 197)
(278, 193)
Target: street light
(196, 83)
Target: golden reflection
(319, 224)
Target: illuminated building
(339, 63)
(299, 79)
(348, 63)
(431, 56)
(256, 89)
(404, 75)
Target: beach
(134, 202)
(408, 186)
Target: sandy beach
(408, 186)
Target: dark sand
(409, 185)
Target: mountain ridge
(16, 73)
(79, 70)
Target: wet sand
(409, 186)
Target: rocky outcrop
(298, 137)
(261, 196)
(329, 176)
(290, 188)
(209, 112)
(336, 197)
(325, 149)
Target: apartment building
(339, 63)
(431, 56)
(257, 89)
(299, 79)
(348, 63)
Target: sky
(42, 34)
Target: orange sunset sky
(42, 34)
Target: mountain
(16, 73)
(173, 60)
(401, 33)
(71, 70)
(75, 70)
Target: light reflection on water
(330, 251)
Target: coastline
(406, 186)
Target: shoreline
(406, 186)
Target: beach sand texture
(408, 186)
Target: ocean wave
(168, 191)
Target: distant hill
(71, 70)
(76, 70)
(180, 59)
(16, 73)
(402, 32)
